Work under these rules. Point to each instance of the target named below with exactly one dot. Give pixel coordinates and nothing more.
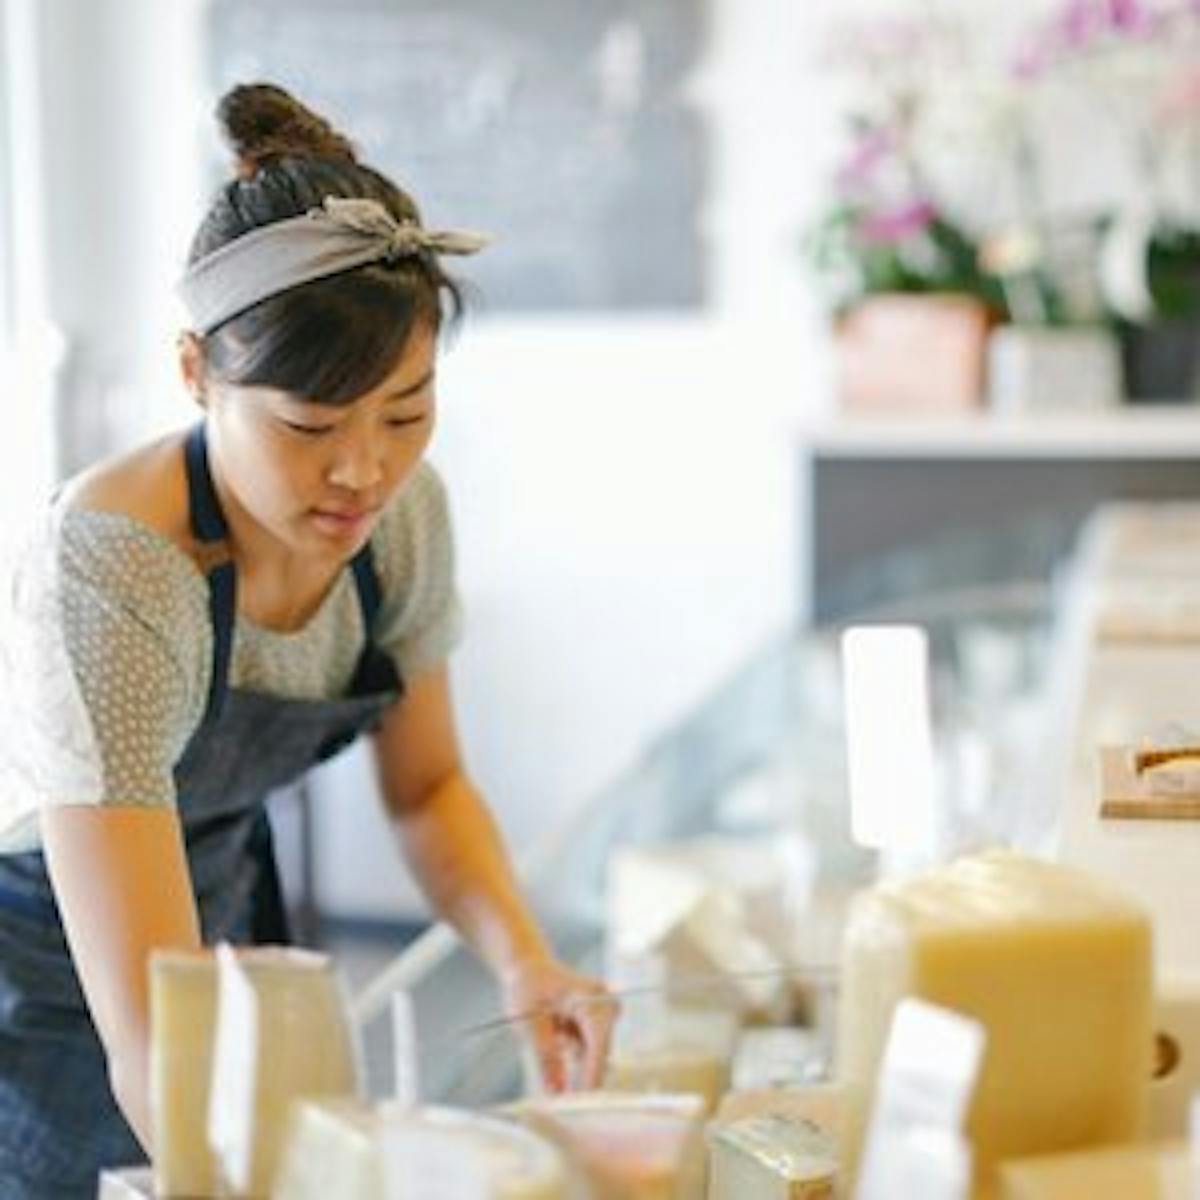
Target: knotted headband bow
(338, 236)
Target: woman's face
(315, 478)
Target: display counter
(1039, 946)
(763, 757)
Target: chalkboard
(562, 127)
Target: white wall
(121, 138)
(625, 490)
(629, 519)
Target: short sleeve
(131, 626)
(420, 620)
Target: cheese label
(404, 1050)
(235, 1071)
(930, 1068)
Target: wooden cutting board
(1128, 794)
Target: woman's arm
(456, 852)
(121, 879)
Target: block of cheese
(771, 1158)
(1161, 1171)
(692, 1054)
(1055, 964)
(305, 1048)
(338, 1148)
(768, 1056)
(621, 1145)
(1177, 1053)
(698, 926)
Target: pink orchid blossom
(871, 149)
(1080, 24)
(898, 224)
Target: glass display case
(763, 757)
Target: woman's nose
(357, 464)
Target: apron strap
(268, 914)
(375, 670)
(207, 518)
(210, 530)
(366, 581)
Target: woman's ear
(192, 366)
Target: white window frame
(7, 231)
(31, 347)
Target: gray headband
(341, 235)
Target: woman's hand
(567, 1017)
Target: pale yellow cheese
(693, 1055)
(622, 1146)
(305, 1049)
(1054, 963)
(771, 1158)
(336, 1149)
(1151, 1172)
(673, 904)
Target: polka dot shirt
(129, 626)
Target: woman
(218, 610)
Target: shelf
(1169, 431)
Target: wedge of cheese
(304, 1048)
(1056, 965)
(1162, 1171)
(771, 1158)
(339, 1148)
(667, 905)
(331, 1149)
(769, 1056)
(622, 1146)
(694, 1055)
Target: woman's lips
(343, 524)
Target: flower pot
(900, 353)
(1033, 369)
(1161, 361)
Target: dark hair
(334, 338)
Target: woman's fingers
(595, 1016)
(569, 1029)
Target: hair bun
(262, 122)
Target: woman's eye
(401, 422)
(308, 430)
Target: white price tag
(926, 1081)
(889, 737)
(404, 1050)
(234, 1071)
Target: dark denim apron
(59, 1124)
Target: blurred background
(795, 312)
